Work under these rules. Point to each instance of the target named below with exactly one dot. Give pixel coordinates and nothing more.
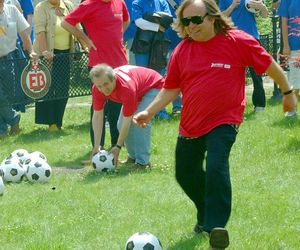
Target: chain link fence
(69, 78)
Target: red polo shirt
(211, 76)
(104, 24)
(132, 83)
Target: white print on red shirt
(220, 65)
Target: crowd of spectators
(147, 38)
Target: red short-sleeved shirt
(211, 76)
(132, 83)
(104, 24)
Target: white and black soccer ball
(38, 170)
(21, 154)
(252, 10)
(103, 161)
(13, 170)
(39, 155)
(143, 241)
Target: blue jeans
(177, 103)
(138, 139)
(208, 187)
(8, 116)
(130, 54)
(143, 60)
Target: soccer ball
(13, 170)
(39, 155)
(31, 156)
(252, 10)
(38, 170)
(143, 241)
(21, 154)
(103, 161)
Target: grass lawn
(81, 209)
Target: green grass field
(81, 209)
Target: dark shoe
(198, 229)
(218, 239)
(139, 167)
(176, 111)
(128, 160)
(15, 129)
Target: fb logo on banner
(35, 80)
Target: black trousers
(52, 111)
(111, 113)
(258, 95)
(210, 187)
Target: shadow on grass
(83, 126)
(249, 115)
(42, 134)
(93, 176)
(274, 102)
(74, 164)
(287, 123)
(190, 242)
(293, 146)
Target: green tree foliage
(265, 24)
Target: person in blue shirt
(289, 10)
(245, 20)
(28, 9)
(175, 40)
(139, 9)
(129, 33)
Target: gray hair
(221, 25)
(102, 69)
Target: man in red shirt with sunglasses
(208, 67)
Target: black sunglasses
(194, 19)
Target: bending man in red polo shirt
(135, 88)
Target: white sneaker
(259, 109)
(291, 114)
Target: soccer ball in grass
(103, 161)
(33, 155)
(39, 155)
(13, 170)
(252, 10)
(21, 154)
(38, 170)
(143, 241)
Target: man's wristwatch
(288, 92)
